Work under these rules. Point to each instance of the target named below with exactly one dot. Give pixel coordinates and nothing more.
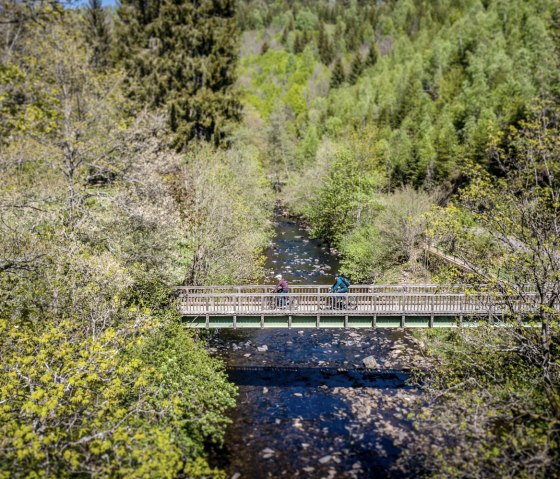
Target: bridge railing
(360, 288)
(353, 303)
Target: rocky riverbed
(317, 403)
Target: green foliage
(99, 220)
(439, 81)
(485, 410)
(325, 46)
(184, 371)
(338, 76)
(445, 77)
(356, 68)
(306, 20)
(499, 387)
(291, 73)
(372, 56)
(181, 57)
(98, 33)
(347, 190)
(228, 216)
(386, 236)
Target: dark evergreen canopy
(181, 57)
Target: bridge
(365, 306)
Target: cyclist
(282, 287)
(341, 285)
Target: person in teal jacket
(341, 284)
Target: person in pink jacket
(282, 287)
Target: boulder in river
(267, 453)
(263, 348)
(370, 362)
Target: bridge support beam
(290, 322)
(262, 321)
(374, 321)
(235, 322)
(207, 323)
(431, 324)
(346, 322)
(402, 321)
(318, 323)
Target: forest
(146, 144)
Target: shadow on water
(286, 376)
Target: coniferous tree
(338, 76)
(284, 39)
(98, 34)
(372, 56)
(305, 39)
(180, 56)
(291, 25)
(356, 68)
(326, 49)
(352, 36)
(299, 44)
(555, 32)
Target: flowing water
(306, 405)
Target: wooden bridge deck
(363, 306)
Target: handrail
(364, 303)
(318, 288)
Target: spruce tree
(284, 39)
(325, 47)
(352, 38)
(372, 56)
(181, 56)
(338, 76)
(299, 44)
(98, 35)
(356, 68)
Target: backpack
(345, 281)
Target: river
(307, 407)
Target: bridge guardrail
(229, 303)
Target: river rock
(263, 348)
(237, 475)
(370, 362)
(325, 459)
